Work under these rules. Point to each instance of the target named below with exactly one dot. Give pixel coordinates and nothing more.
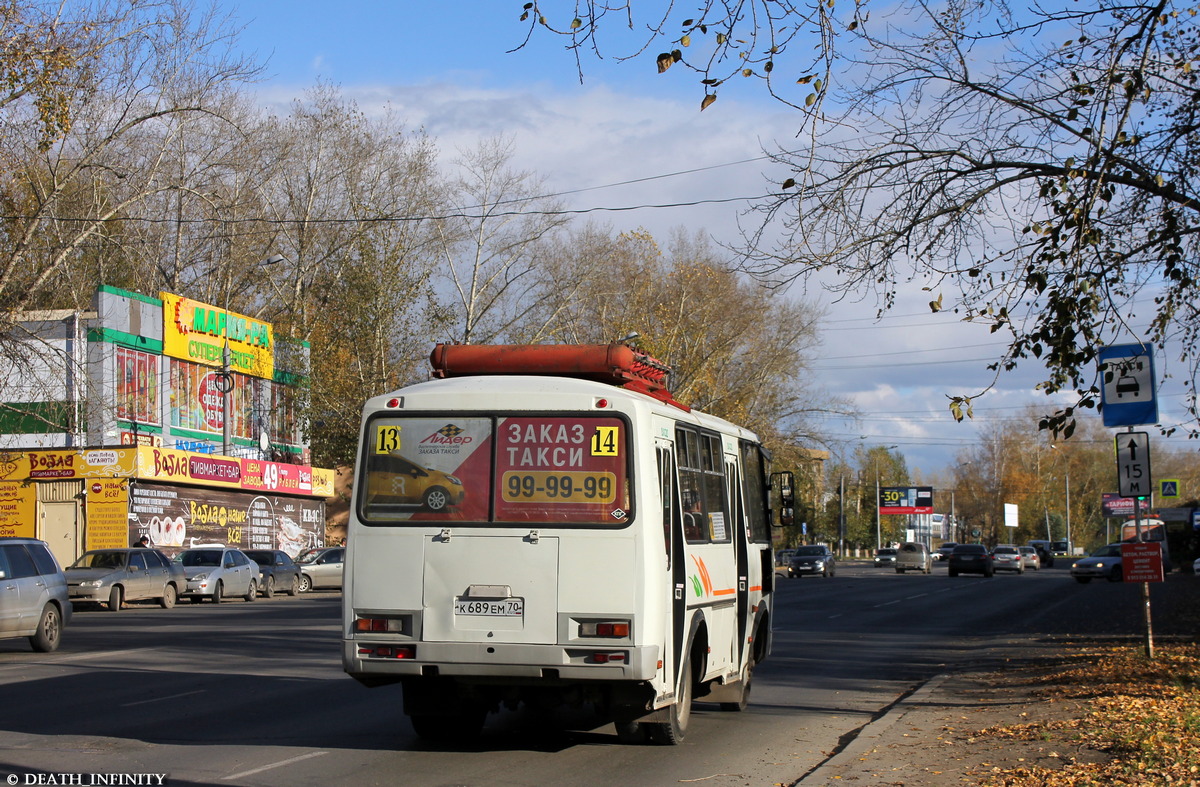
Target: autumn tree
(1032, 165)
(737, 350)
(488, 238)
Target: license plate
(490, 608)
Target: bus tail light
(388, 651)
(617, 629)
(608, 658)
(373, 625)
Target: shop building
(164, 416)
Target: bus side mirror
(784, 484)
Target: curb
(869, 737)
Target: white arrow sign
(1133, 464)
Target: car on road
(783, 562)
(1196, 567)
(321, 568)
(217, 573)
(913, 556)
(815, 560)
(943, 552)
(276, 571)
(1006, 557)
(1104, 563)
(34, 600)
(885, 557)
(1030, 558)
(114, 576)
(971, 559)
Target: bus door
(673, 546)
(741, 548)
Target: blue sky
(445, 67)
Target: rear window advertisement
(428, 469)
(561, 469)
(547, 469)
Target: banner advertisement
(906, 500)
(547, 469)
(167, 464)
(18, 504)
(107, 513)
(1113, 505)
(180, 517)
(569, 469)
(430, 468)
(66, 464)
(198, 332)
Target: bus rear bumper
(376, 662)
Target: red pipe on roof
(615, 364)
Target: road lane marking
(161, 699)
(94, 655)
(279, 764)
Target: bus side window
(754, 489)
(666, 490)
(694, 529)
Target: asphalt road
(253, 693)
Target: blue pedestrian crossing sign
(1168, 487)
(1127, 392)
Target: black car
(813, 561)
(277, 571)
(971, 559)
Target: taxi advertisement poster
(561, 469)
(543, 469)
(429, 469)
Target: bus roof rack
(615, 364)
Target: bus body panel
(642, 572)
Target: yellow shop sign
(198, 332)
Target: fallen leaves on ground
(1141, 715)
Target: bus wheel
(672, 732)
(630, 731)
(464, 724)
(744, 698)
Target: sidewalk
(1024, 704)
(930, 738)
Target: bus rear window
(543, 469)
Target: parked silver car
(321, 568)
(218, 572)
(33, 593)
(114, 576)
(913, 556)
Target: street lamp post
(878, 526)
(226, 375)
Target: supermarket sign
(199, 332)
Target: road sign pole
(1146, 616)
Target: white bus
(545, 524)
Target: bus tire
(630, 732)
(744, 697)
(673, 731)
